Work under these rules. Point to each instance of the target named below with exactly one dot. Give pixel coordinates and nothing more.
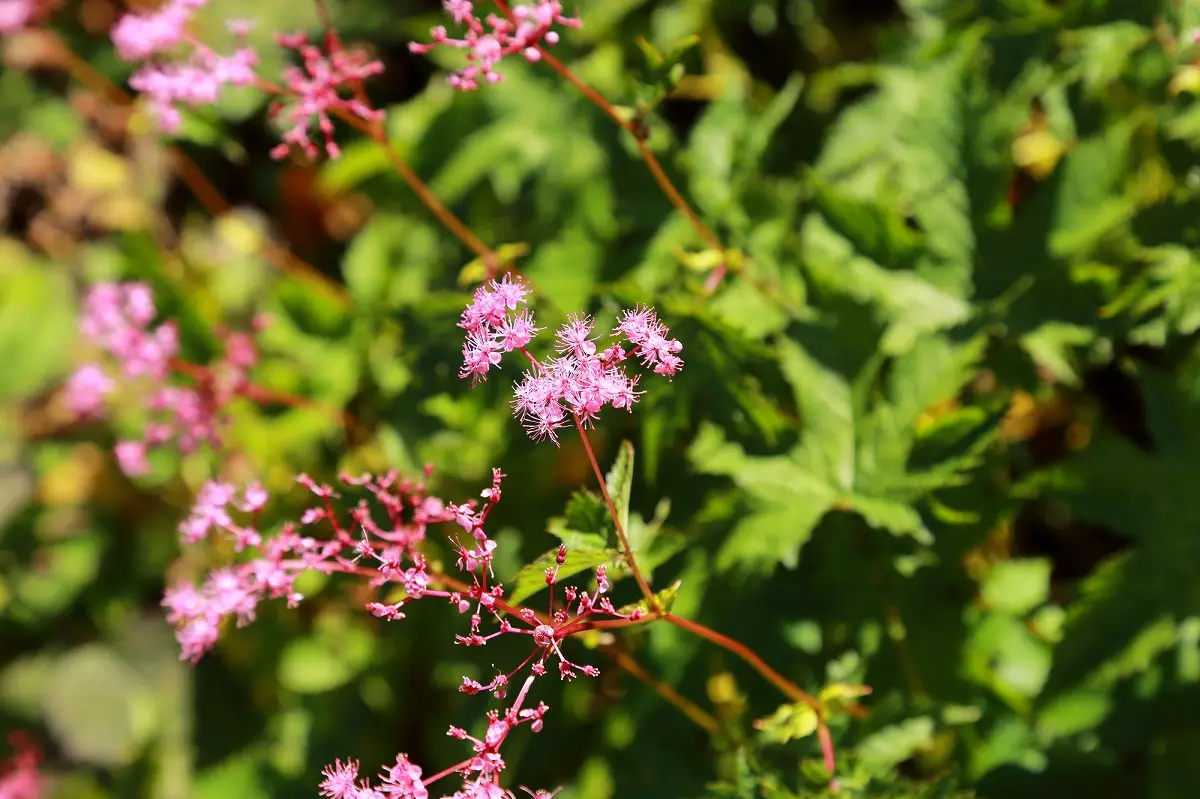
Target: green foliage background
(937, 436)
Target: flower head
(16, 14)
(20, 777)
(315, 90)
(118, 319)
(87, 389)
(198, 78)
(494, 326)
(576, 384)
(490, 40)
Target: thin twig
(786, 686)
(652, 162)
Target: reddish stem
(446, 772)
(651, 600)
(374, 130)
(256, 393)
(828, 754)
(652, 162)
(786, 686)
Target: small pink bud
(543, 635)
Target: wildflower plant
(881, 390)
(574, 384)
(392, 540)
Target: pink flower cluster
(236, 590)
(16, 14)
(198, 80)
(117, 318)
(480, 772)
(489, 40)
(383, 545)
(19, 775)
(577, 383)
(315, 91)
(198, 611)
(310, 92)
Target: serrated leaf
(1094, 195)
(585, 514)
(849, 457)
(772, 536)
(620, 482)
(910, 304)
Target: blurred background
(936, 433)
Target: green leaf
(102, 710)
(851, 456)
(476, 270)
(1129, 607)
(892, 745)
(774, 535)
(788, 723)
(243, 775)
(620, 482)
(1017, 587)
(585, 514)
(565, 269)
(908, 303)
(1094, 192)
(368, 262)
(909, 141)
(36, 322)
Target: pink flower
(403, 780)
(575, 337)
(19, 776)
(316, 90)
(642, 328)
(492, 327)
(118, 318)
(131, 457)
(200, 611)
(209, 511)
(196, 80)
(138, 36)
(341, 780)
(582, 379)
(15, 15)
(87, 389)
(488, 41)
